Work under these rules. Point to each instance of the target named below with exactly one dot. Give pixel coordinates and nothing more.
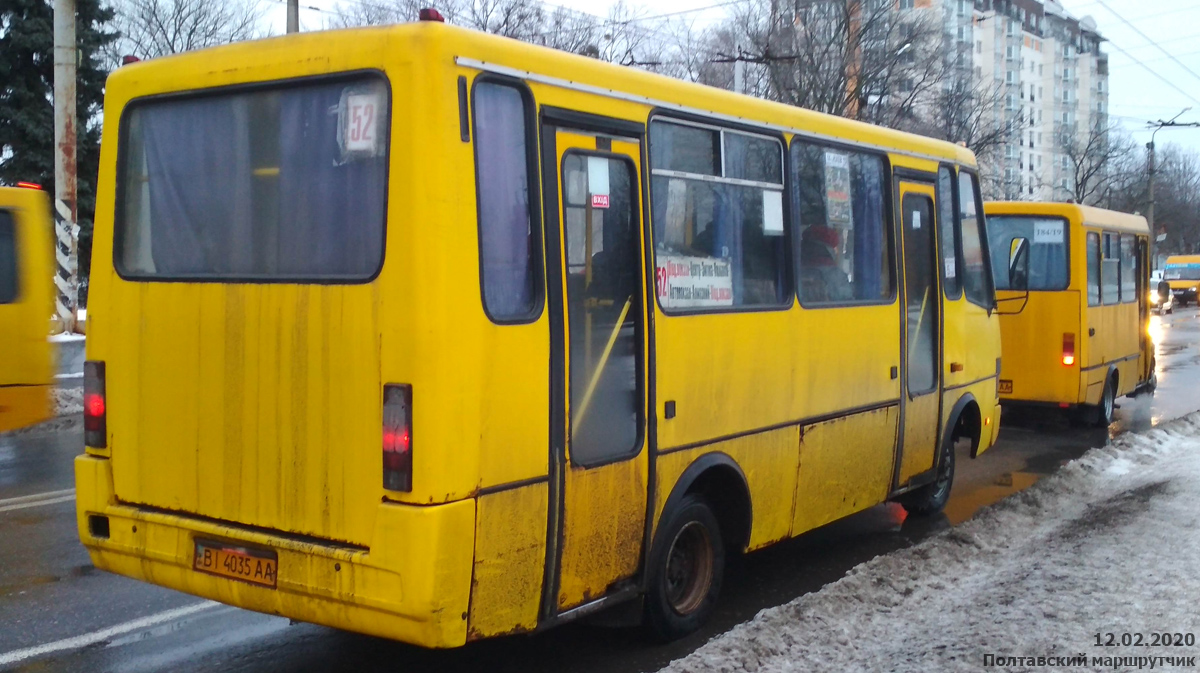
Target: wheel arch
(720, 480)
(966, 412)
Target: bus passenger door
(919, 398)
(598, 382)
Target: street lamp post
(1151, 169)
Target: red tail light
(1068, 358)
(29, 185)
(95, 405)
(397, 437)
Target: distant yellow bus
(435, 335)
(1182, 273)
(26, 304)
(1082, 339)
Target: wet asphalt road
(49, 593)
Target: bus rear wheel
(685, 570)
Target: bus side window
(1129, 280)
(717, 208)
(840, 220)
(947, 232)
(974, 274)
(1110, 283)
(508, 237)
(1093, 269)
(8, 258)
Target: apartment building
(1051, 81)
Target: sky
(1147, 82)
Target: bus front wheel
(685, 570)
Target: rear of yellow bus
(249, 424)
(26, 304)
(1182, 273)
(1040, 340)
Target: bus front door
(596, 272)
(919, 399)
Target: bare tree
(1091, 159)
(152, 28)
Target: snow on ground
(68, 401)
(1108, 544)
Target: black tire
(687, 565)
(932, 498)
(1103, 413)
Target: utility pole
(293, 16)
(66, 206)
(739, 72)
(1152, 169)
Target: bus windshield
(1190, 272)
(1047, 236)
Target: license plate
(256, 566)
(1005, 386)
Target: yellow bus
(1082, 339)
(435, 335)
(26, 304)
(1182, 273)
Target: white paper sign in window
(1048, 232)
(597, 170)
(916, 219)
(772, 212)
(360, 124)
(686, 282)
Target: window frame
(889, 222)
(1087, 263)
(119, 204)
(698, 121)
(18, 286)
(1106, 238)
(981, 224)
(533, 169)
(637, 207)
(955, 229)
(1133, 256)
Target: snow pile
(1109, 544)
(68, 401)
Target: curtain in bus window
(505, 227)
(1110, 266)
(330, 207)
(946, 232)
(198, 167)
(866, 176)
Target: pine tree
(27, 94)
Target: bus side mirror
(1018, 265)
(1018, 278)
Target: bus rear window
(1047, 236)
(8, 258)
(283, 184)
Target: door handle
(1091, 331)
(895, 373)
(956, 367)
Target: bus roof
(1182, 260)
(1086, 215)
(542, 65)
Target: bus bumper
(412, 584)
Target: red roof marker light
(431, 14)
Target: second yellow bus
(1082, 338)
